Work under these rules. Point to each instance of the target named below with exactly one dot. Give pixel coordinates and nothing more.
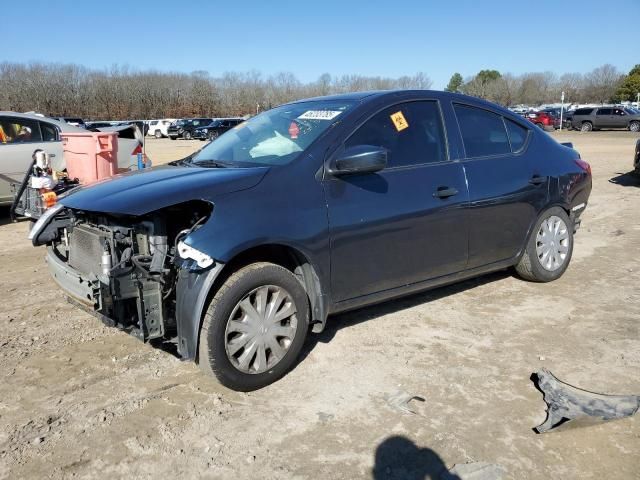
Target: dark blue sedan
(313, 208)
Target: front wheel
(186, 135)
(634, 126)
(212, 136)
(255, 327)
(586, 127)
(158, 134)
(549, 249)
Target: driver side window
(412, 133)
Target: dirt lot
(81, 400)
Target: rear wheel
(173, 138)
(586, 127)
(634, 126)
(255, 327)
(549, 249)
(157, 134)
(186, 135)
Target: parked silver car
(21, 134)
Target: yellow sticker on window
(399, 121)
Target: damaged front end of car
(127, 270)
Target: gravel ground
(80, 400)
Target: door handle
(538, 180)
(445, 192)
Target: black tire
(634, 126)
(212, 355)
(173, 138)
(186, 135)
(529, 267)
(586, 127)
(212, 135)
(157, 134)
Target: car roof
(63, 126)
(400, 94)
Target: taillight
(137, 150)
(584, 165)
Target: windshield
(275, 137)
(181, 122)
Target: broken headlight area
(124, 269)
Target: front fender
(192, 291)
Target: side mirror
(360, 159)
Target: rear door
(406, 223)
(604, 118)
(506, 190)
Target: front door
(19, 138)
(619, 118)
(406, 223)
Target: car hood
(144, 191)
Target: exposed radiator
(86, 245)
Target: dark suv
(216, 128)
(313, 208)
(184, 128)
(587, 119)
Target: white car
(158, 128)
(21, 134)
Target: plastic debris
(572, 406)
(400, 401)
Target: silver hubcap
(552, 243)
(260, 329)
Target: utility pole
(561, 109)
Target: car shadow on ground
(629, 179)
(337, 322)
(398, 457)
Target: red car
(544, 120)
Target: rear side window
(411, 132)
(517, 135)
(583, 111)
(604, 111)
(483, 132)
(49, 132)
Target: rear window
(483, 132)
(583, 111)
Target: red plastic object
(90, 156)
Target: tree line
(125, 93)
(605, 84)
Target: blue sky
(309, 38)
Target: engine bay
(130, 261)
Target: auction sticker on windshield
(319, 115)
